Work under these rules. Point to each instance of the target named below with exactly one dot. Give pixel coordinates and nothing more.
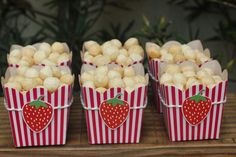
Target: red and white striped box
(154, 69)
(54, 131)
(177, 127)
(66, 63)
(129, 131)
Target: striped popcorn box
(154, 67)
(38, 126)
(196, 113)
(126, 131)
(46, 62)
(115, 115)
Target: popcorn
(174, 52)
(41, 53)
(89, 84)
(49, 77)
(116, 82)
(104, 77)
(45, 72)
(113, 51)
(184, 76)
(129, 71)
(15, 85)
(51, 83)
(58, 47)
(153, 50)
(130, 42)
(31, 73)
(16, 53)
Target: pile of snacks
(51, 77)
(104, 77)
(113, 51)
(175, 53)
(185, 76)
(41, 53)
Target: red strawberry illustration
(196, 108)
(37, 114)
(114, 112)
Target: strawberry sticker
(37, 114)
(114, 112)
(196, 108)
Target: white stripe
(14, 119)
(121, 127)
(66, 101)
(214, 112)
(220, 110)
(196, 126)
(103, 124)
(109, 130)
(20, 118)
(90, 115)
(134, 115)
(190, 126)
(46, 131)
(34, 133)
(96, 116)
(127, 122)
(184, 121)
(59, 116)
(171, 114)
(53, 121)
(208, 119)
(177, 114)
(27, 128)
(140, 115)
(115, 131)
(41, 133)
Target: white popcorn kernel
(172, 68)
(136, 57)
(179, 57)
(129, 81)
(217, 79)
(14, 85)
(153, 50)
(86, 77)
(28, 84)
(31, 73)
(111, 51)
(173, 49)
(65, 57)
(53, 57)
(16, 53)
(167, 58)
(166, 78)
(67, 79)
(101, 60)
(28, 51)
(12, 60)
(39, 56)
(189, 54)
(130, 42)
(21, 70)
(112, 74)
(191, 81)
(101, 80)
(51, 83)
(102, 70)
(136, 49)
(27, 59)
(46, 48)
(124, 52)
(87, 44)
(48, 62)
(56, 72)
(116, 82)
(121, 59)
(129, 71)
(89, 58)
(58, 47)
(140, 79)
(119, 70)
(45, 72)
(189, 73)
(207, 81)
(94, 49)
(179, 78)
(116, 43)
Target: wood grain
(154, 141)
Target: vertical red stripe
(91, 96)
(31, 132)
(106, 128)
(124, 124)
(187, 124)
(63, 134)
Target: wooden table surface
(154, 141)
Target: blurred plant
(116, 32)
(226, 29)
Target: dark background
(75, 21)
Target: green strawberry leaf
(198, 97)
(38, 103)
(115, 101)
